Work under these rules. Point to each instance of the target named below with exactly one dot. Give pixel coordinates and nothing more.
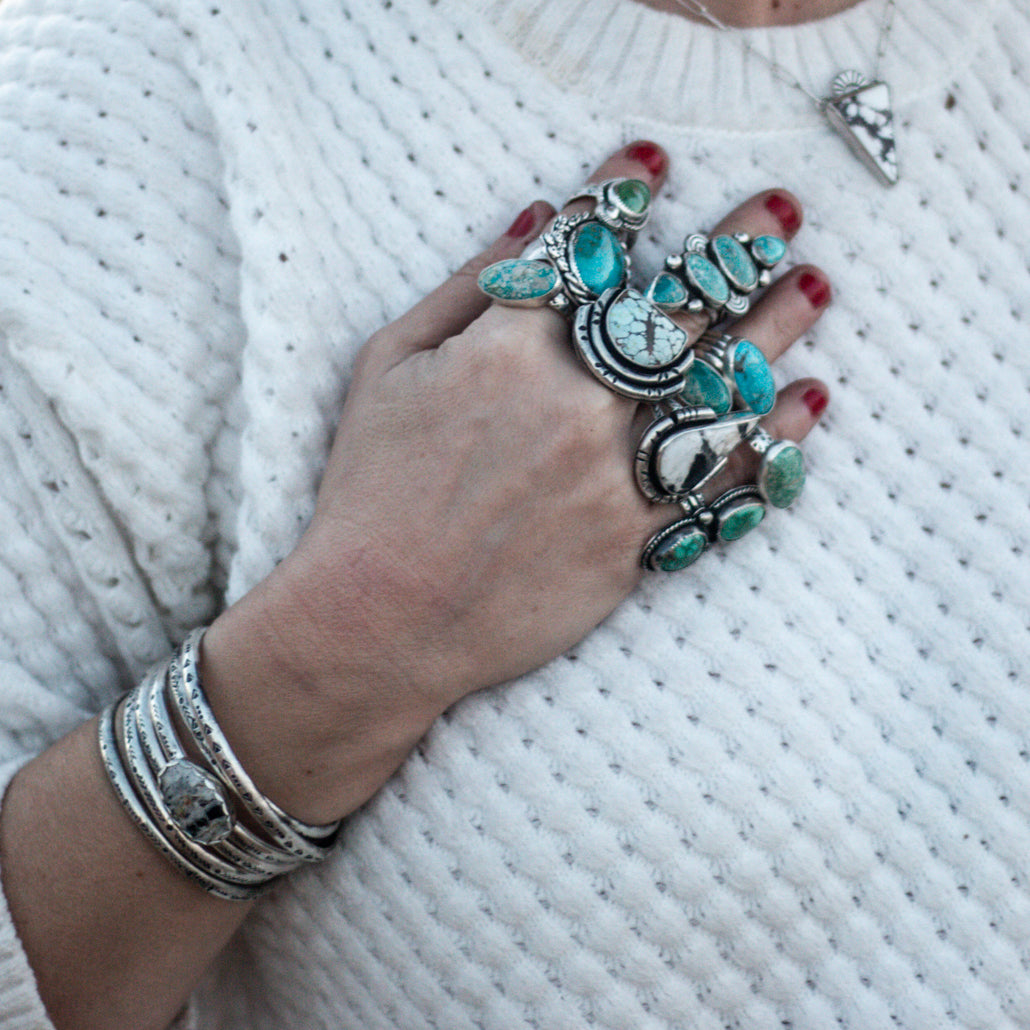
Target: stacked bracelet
(191, 811)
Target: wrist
(318, 724)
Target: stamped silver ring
(781, 475)
(573, 263)
(682, 542)
(716, 277)
(682, 450)
(731, 371)
(621, 204)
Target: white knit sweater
(789, 787)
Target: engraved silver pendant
(860, 110)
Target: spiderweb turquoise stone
(705, 386)
(643, 334)
(768, 249)
(735, 263)
(597, 257)
(753, 378)
(741, 520)
(783, 475)
(517, 280)
(680, 550)
(707, 279)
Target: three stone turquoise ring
(579, 257)
(716, 277)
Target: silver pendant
(860, 110)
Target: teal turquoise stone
(679, 550)
(753, 378)
(735, 263)
(667, 292)
(782, 476)
(598, 257)
(633, 195)
(707, 279)
(742, 519)
(768, 250)
(642, 334)
(705, 386)
(518, 280)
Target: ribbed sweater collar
(667, 68)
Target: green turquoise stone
(753, 378)
(741, 520)
(783, 475)
(705, 386)
(768, 250)
(667, 291)
(735, 263)
(679, 550)
(707, 279)
(597, 257)
(518, 280)
(642, 334)
(633, 195)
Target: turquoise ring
(573, 263)
(781, 475)
(727, 518)
(716, 277)
(733, 372)
(621, 204)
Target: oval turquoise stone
(667, 292)
(705, 386)
(642, 334)
(783, 475)
(597, 256)
(679, 550)
(741, 520)
(735, 263)
(753, 378)
(517, 280)
(768, 249)
(707, 279)
(633, 195)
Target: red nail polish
(784, 212)
(522, 224)
(650, 156)
(815, 289)
(815, 400)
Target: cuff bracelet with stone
(727, 518)
(716, 277)
(196, 813)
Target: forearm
(116, 935)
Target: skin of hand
(477, 516)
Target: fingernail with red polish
(815, 289)
(522, 224)
(650, 156)
(784, 212)
(815, 400)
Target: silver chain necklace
(858, 106)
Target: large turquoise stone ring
(573, 263)
(742, 367)
(781, 476)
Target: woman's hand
(477, 517)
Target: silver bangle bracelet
(306, 842)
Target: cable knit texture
(788, 788)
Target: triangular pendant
(860, 110)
